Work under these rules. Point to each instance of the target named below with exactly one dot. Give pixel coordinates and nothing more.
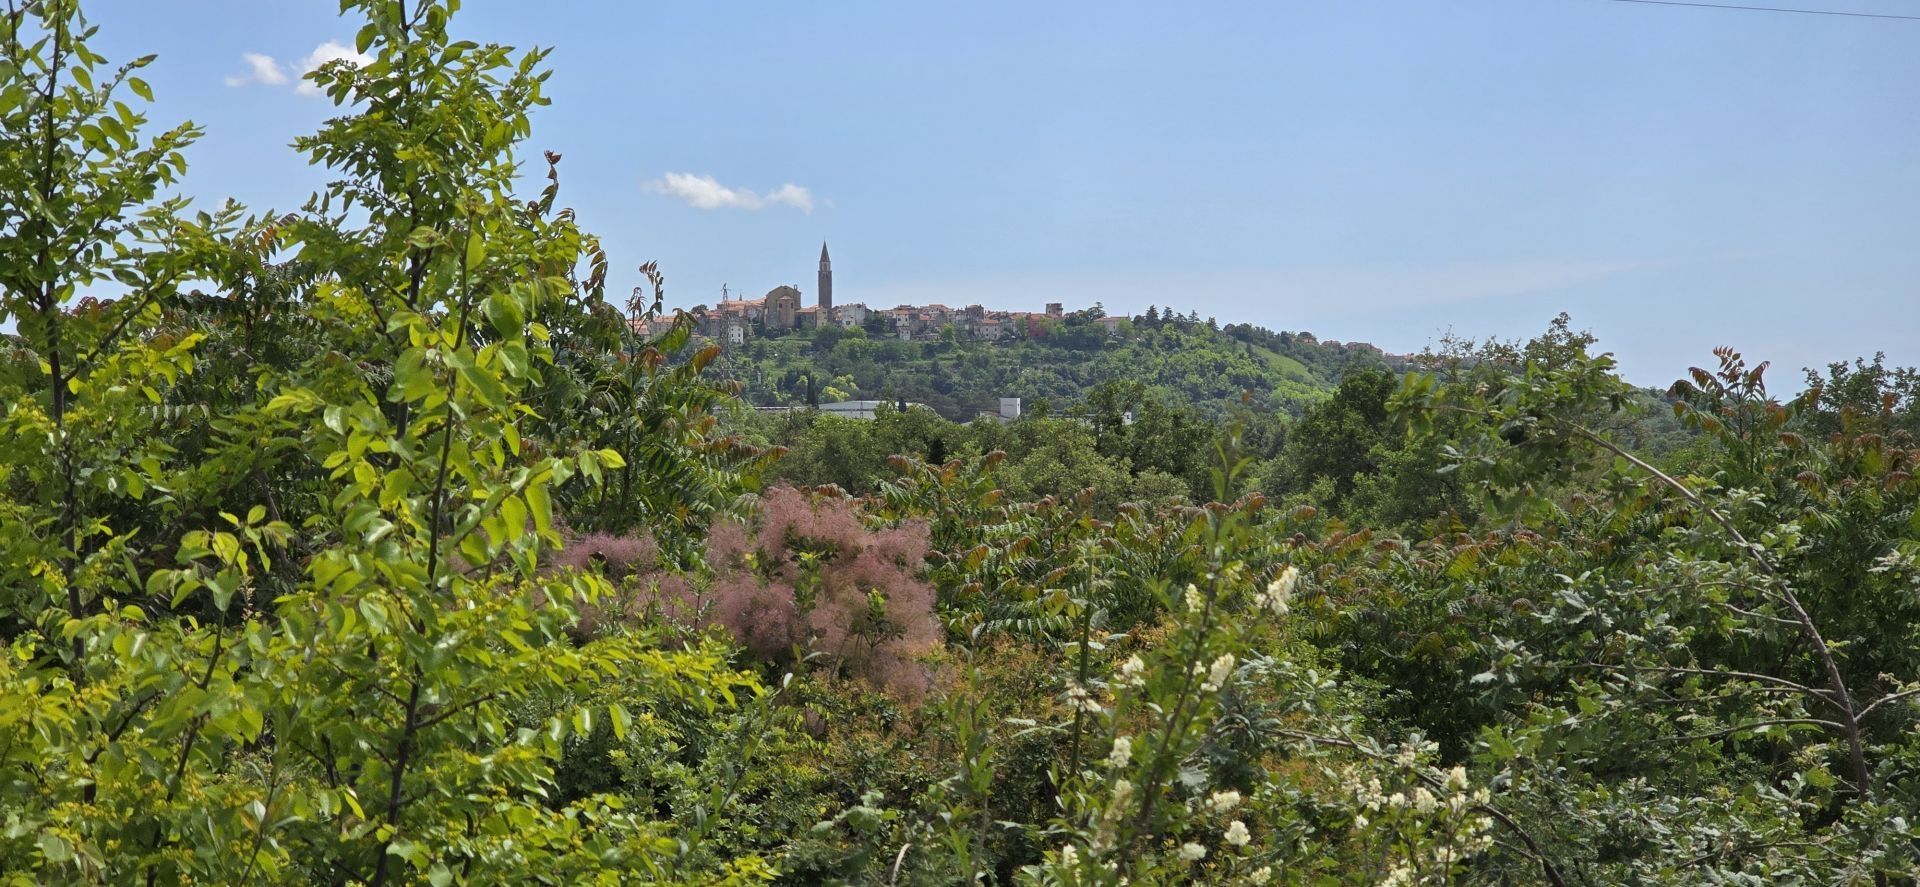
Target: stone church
(777, 312)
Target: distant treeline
(1176, 359)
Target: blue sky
(1373, 170)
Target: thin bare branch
(1752, 725)
(1892, 697)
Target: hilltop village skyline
(735, 320)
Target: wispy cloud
(265, 70)
(261, 69)
(324, 53)
(705, 192)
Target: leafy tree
(1693, 619)
(610, 389)
(321, 685)
(1336, 439)
(1862, 396)
(1141, 432)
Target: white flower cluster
(1082, 701)
(1373, 798)
(1447, 807)
(1237, 834)
(1219, 674)
(1223, 801)
(1133, 672)
(1260, 875)
(1278, 597)
(1070, 861)
(1122, 753)
(1195, 600)
(1192, 852)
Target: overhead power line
(1910, 18)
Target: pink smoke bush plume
(809, 577)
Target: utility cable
(1910, 18)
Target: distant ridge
(1178, 359)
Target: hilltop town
(734, 321)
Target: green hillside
(1178, 360)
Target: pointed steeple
(826, 285)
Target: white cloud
(261, 69)
(324, 53)
(705, 192)
(265, 70)
(792, 195)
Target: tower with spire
(826, 285)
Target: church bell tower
(826, 286)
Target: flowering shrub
(1151, 810)
(1159, 799)
(809, 577)
(814, 577)
(617, 555)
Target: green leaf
(253, 721)
(413, 852)
(541, 507)
(486, 386)
(223, 585)
(476, 250)
(140, 88)
(376, 615)
(504, 311)
(54, 848)
(1498, 746)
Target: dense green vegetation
(1346, 452)
(1175, 359)
(391, 554)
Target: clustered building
(735, 320)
